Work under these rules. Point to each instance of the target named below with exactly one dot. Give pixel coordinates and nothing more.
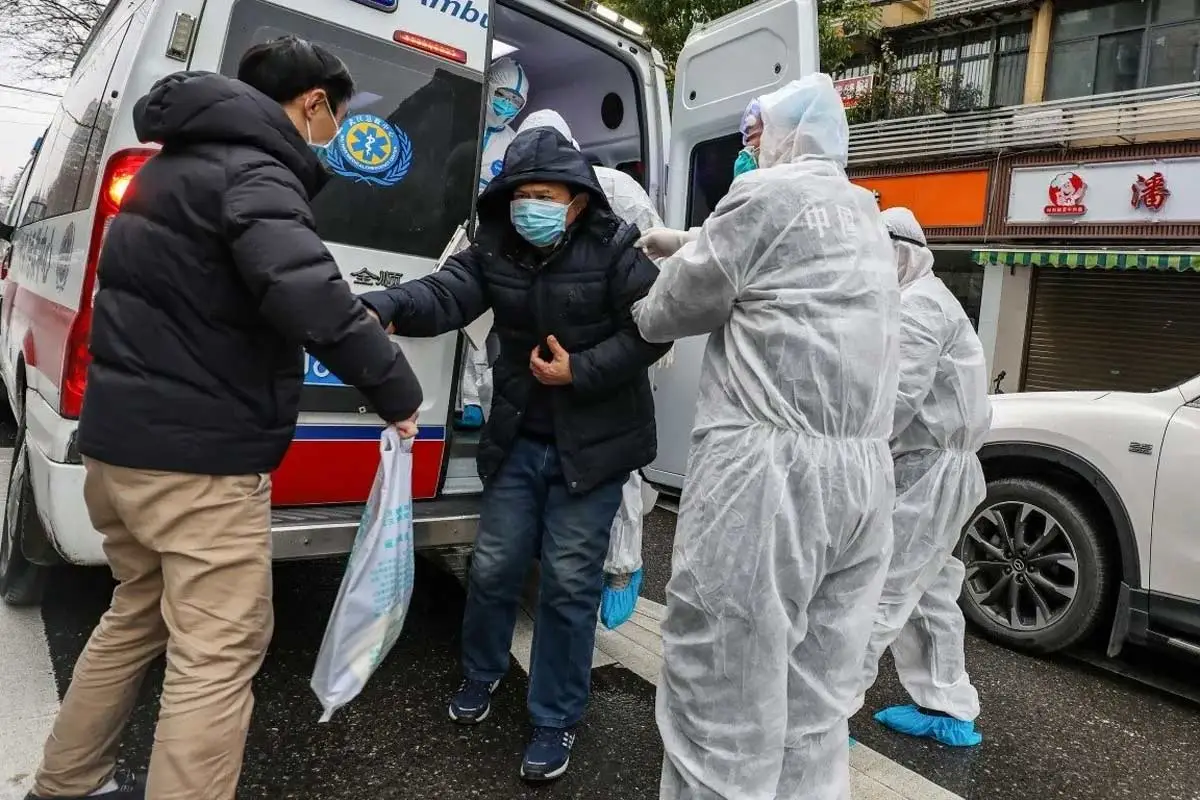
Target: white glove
(663, 242)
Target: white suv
(1092, 516)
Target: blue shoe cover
(853, 741)
(947, 730)
(617, 604)
(471, 419)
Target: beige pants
(192, 557)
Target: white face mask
(319, 147)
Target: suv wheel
(22, 583)
(1038, 575)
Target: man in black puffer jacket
(212, 279)
(572, 416)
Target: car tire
(1081, 540)
(22, 583)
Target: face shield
(508, 90)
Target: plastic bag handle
(390, 441)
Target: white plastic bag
(625, 541)
(376, 590)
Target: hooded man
(572, 415)
(212, 279)
(942, 418)
(784, 529)
(623, 567)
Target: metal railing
(1159, 114)
(953, 8)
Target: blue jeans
(527, 512)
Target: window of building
(963, 277)
(983, 68)
(1125, 45)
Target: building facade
(1051, 150)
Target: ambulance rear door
(723, 66)
(404, 167)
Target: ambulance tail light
(114, 188)
(433, 48)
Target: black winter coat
(582, 293)
(212, 278)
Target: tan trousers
(192, 557)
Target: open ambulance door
(724, 65)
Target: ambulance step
(319, 531)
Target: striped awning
(1091, 259)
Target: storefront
(951, 205)
(1115, 281)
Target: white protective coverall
(630, 202)
(508, 91)
(784, 530)
(941, 420)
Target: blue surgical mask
(747, 161)
(539, 222)
(504, 109)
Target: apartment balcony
(898, 13)
(944, 9)
(1164, 113)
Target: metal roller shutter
(1131, 331)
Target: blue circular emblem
(369, 149)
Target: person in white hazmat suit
(784, 530)
(623, 566)
(942, 418)
(508, 91)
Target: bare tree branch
(47, 36)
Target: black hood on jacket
(204, 107)
(540, 155)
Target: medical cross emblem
(1151, 192)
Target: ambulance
(420, 70)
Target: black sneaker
(473, 701)
(130, 786)
(548, 754)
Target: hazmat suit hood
(913, 258)
(548, 118)
(508, 91)
(804, 119)
(626, 196)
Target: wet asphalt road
(395, 740)
(1059, 727)
(1054, 728)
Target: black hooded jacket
(212, 278)
(581, 292)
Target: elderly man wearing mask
(623, 572)
(784, 530)
(942, 418)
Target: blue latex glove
(619, 598)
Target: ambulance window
(63, 160)
(403, 165)
(712, 173)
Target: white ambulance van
(419, 66)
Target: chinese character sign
(851, 89)
(1150, 193)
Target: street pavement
(1055, 728)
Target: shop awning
(1091, 259)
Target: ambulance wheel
(22, 583)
